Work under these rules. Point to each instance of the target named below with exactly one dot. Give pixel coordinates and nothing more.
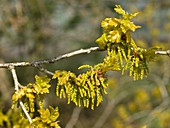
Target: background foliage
(38, 29)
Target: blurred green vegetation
(40, 29)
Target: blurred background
(40, 29)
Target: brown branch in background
(157, 110)
(137, 116)
(102, 119)
(161, 85)
(162, 81)
(74, 118)
(17, 84)
(149, 114)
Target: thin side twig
(17, 84)
(42, 69)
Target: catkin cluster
(86, 89)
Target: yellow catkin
(141, 73)
(131, 71)
(120, 56)
(133, 44)
(124, 55)
(136, 62)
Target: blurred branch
(74, 117)
(137, 116)
(112, 103)
(157, 110)
(149, 114)
(161, 85)
(162, 81)
(5, 88)
(17, 84)
(165, 104)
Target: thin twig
(53, 60)
(25, 111)
(74, 53)
(74, 118)
(14, 75)
(15, 64)
(40, 68)
(17, 84)
(67, 55)
(167, 52)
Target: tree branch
(100, 122)
(149, 114)
(137, 116)
(67, 55)
(74, 118)
(163, 52)
(17, 84)
(53, 60)
(157, 110)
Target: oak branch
(55, 59)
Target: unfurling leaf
(122, 51)
(32, 91)
(48, 118)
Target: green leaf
(128, 25)
(114, 36)
(3, 118)
(109, 23)
(44, 115)
(119, 10)
(42, 84)
(102, 41)
(125, 15)
(130, 16)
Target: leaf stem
(17, 84)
